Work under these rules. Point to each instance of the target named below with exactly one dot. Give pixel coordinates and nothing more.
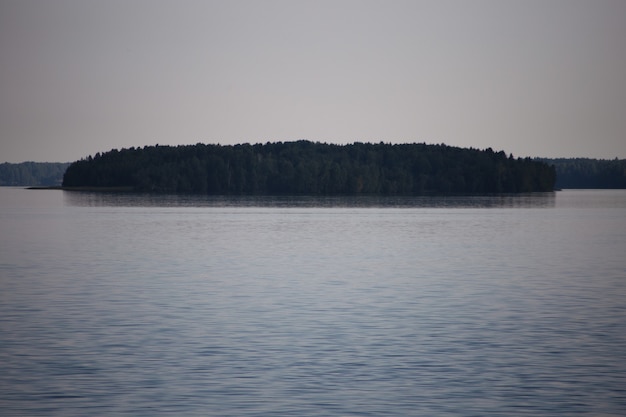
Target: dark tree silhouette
(588, 173)
(32, 173)
(305, 167)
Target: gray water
(122, 304)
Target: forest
(589, 173)
(32, 173)
(304, 167)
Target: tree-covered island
(305, 167)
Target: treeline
(32, 173)
(589, 173)
(305, 167)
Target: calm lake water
(122, 304)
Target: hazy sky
(532, 78)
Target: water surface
(125, 304)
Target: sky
(529, 77)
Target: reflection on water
(107, 199)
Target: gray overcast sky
(530, 77)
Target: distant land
(32, 173)
(305, 167)
(588, 173)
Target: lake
(143, 305)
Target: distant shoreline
(83, 188)
(133, 190)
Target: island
(305, 167)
